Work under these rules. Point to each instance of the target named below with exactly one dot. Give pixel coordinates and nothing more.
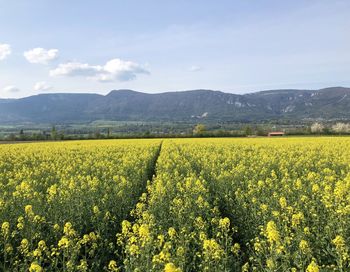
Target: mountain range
(190, 106)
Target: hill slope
(127, 105)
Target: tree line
(199, 130)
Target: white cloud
(75, 69)
(115, 69)
(41, 86)
(41, 55)
(5, 50)
(195, 68)
(10, 89)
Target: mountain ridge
(192, 105)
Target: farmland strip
(290, 199)
(61, 204)
(177, 226)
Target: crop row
(288, 198)
(61, 204)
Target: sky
(161, 45)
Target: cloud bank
(41, 86)
(115, 69)
(5, 50)
(41, 55)
(10, 89)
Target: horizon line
(175, 91)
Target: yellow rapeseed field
(261, 204)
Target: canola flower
(5, 229)
(339, 242)
(284, 194)
(272, 233)
(35, 267)
(177, 225)
(170, 267)
(112, 266)
(213, 205)
(313, 267)
(304, 246)
(61, 203)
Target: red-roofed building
(276, 133)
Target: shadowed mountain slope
(128, 105)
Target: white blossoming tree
(341, 128)
(317, 128)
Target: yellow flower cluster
(61, 204)
(212, 205)
(290, 197)
(177, 224)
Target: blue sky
(154, 46)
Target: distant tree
(327, 130)
(53, 133)
(21, 135)
(97, 134)
(221, 133)
(341, 128)
(199, 129)
(12, 137)
(261, 132)
(317, 128)
(44, 135)
(308, 130)
(60, 135)
(248, 130)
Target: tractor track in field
(152, 171)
